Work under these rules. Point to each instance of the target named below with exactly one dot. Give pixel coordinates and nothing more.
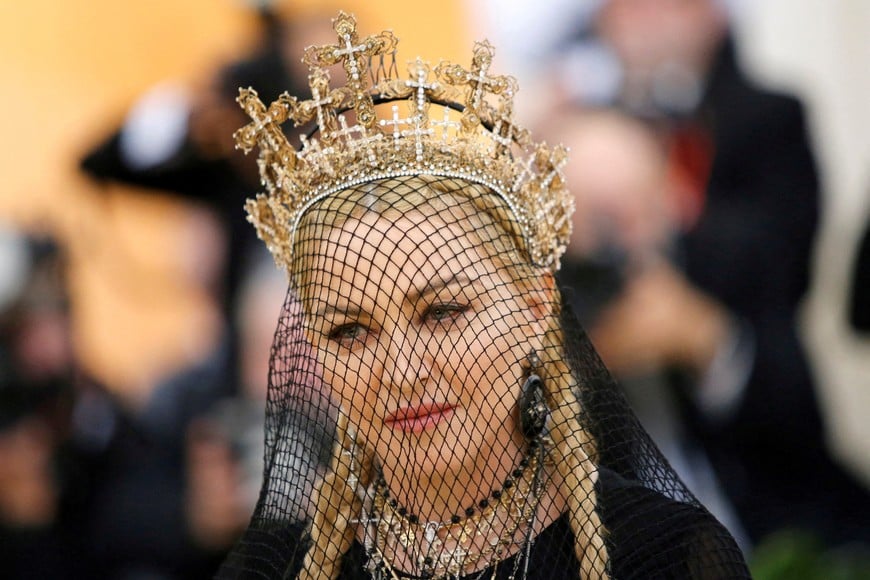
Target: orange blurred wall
(69, 71)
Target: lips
(419, 418)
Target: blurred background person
(35, 390)
(744, 205)
(61, 432)
(648, 321)
(177, 138)
(814, 50)
(166, 497)
(185, 503)
(704, 375)
(89, 489)
(747, 194)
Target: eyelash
(342, 332)
(451, 311)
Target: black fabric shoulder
(649, 533)
(263, 551)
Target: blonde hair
(576, 457)
(338, 503)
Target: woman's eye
(347, 332)
(442, 312)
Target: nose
(405, 367)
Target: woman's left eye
(347, 332)
(441, 312)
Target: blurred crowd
(698, 204)
(92, 484)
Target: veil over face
(412, 325)
(422, 334)
(434, 409)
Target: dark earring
(533, 407)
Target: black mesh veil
(435, 411)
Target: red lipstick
(420, 418)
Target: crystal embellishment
(473, 138)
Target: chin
(431, 451)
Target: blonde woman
(476, 433)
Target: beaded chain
(448, 549)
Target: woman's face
(423, 340)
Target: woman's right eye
(347, 332)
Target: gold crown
(474, 138)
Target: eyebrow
(433, 285)
(348, 310)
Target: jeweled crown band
(526, 175)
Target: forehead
(384, 254)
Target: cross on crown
(395, 122)
(478, 82)
(419, 131)
(322, 104)
(445, 124)
(354, 55)
(420, 71)
(265, 126)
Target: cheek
(353, 385)
(487, 365)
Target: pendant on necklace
(430, 530)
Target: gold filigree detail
(482, 143)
